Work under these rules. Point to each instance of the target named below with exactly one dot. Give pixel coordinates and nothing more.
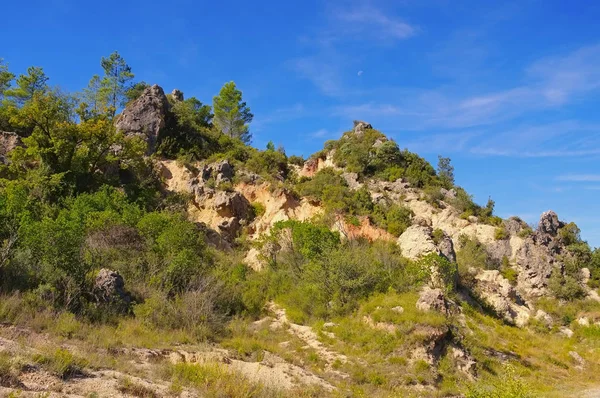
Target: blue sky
(510, 91)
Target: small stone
(583, 321)
(577, 358)
(566, 332)
(398, 309)
(432, 299)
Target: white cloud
(374, 21)
(579, 177)
(319, 133)
(360, 72)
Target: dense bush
(317, 276)
(472, 254)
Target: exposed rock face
(109, 287)
(352, 180)
(177, 95)
(432, 300)
(549, 223)
(538, 256)
(231, 204)
(448, 193)
(360, 126)
(221, 171)
(229, 210)
(498, 293)
(213, 238)
(417, 241)
(146, 116)
(514, 225)
(446, 248)
(8, 142)
(463, 360)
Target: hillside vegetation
(148, 250)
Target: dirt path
(307, 334)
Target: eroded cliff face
(225, 207)
(228, 212)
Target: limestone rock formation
(220, 171)
(231, 204)
(8, 142)
(417, 241)
(539, 255)
(146, 116)
(352, 180)
(498, 293)
(360, 126)
(109, 287)
(177, 95)
(549, 223)
(432, 300)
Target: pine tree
(35, 81)
(232, 115)
(116, 81)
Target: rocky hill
(361, 271)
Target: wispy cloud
(322, 70)
(550, 83)
(374, 21)
(292, 112)
(579, 177)
(319, 133)
(327, 66)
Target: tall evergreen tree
(35, 81)
(232, 115)
(5, 78)
(116, 81)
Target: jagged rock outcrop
(352, 180)
(109, 287)
(146, 116)
(213, 238)
(360, 126)
(220, 171)
(8, 142)
(226, 211)
(549, 223)
(539, 255)
(497, 292)
(177, 95)
(418, 241)
(446, 248)
(514, 225)
(231, 204)
(431, 299)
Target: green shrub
(441, 272)
(269, 163)
(437, 236)
(61, 362)
(258, 209)
(525, 232)
(129, 387)
(509, 385)
(472, 254)
(297, 160)
(9, 376)
(565, 286)
(501, 233)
